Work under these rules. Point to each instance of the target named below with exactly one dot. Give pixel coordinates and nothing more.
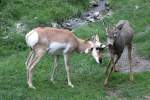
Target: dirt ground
(140, 64)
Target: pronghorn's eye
(91, 49)
(97, 48)
(100, 49)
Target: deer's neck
(83, 45)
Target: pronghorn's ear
(96, 37)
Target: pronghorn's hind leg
(67, 66)
(38, 54)
(29, 58)
(130, 61)
(56, 58)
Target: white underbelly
(57, 48)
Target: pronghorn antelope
(117, 38)
(58, 42)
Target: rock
(147, 97)
(93, 3)
(96, 14)
(90, 19)
(110, 13)
(53, 24)
(21, 27)
(136, 7)
(5, 37)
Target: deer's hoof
(131, 78)
(105, 83)
(116, 69)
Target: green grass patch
(87, 77)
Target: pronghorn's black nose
(109, 45)
(100, 60)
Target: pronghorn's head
(111, 33)
(96, 48)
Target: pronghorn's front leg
(56, 58)
(67, 65)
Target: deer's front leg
(110, 71)
(67, 66)
(108, 66)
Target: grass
(32, 13)
(86, 75)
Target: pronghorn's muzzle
(100, 60)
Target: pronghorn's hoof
(52, 80)
(71, 85)
(32, 87)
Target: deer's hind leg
(116, 69)
(130, 61)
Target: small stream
(93, 14)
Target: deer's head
(96, 49)
(111, 33)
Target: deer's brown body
(118, 38)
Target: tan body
(118, 38)
(57, 42)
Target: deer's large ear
(119, 26)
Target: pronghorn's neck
(83, 45)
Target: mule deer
(58, 42)
(117, 38)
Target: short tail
(32, 38)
